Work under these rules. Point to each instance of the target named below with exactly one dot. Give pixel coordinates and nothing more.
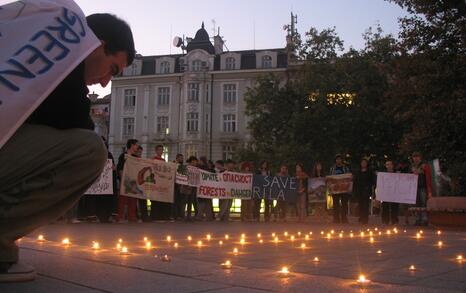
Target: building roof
(201, 41)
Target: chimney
(93, 96)
(218, 43)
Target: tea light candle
(118, 246)
(190, 238)
(65, 241)
(226, 265)
(148, 245)
(303, 245)
(459, 257)
(259, 235)
(208, 237)
(175, 245)
(227, 236)
(124, 250)
(235, 250)
(166, 258)
(199, 243)
(316, 259)
(412, 268)
(95, 245)
(363, 280)
(169, 238)
(220, 242)
(379, 251)
(261, 241)
(440, 243)
(40, 238)
(284, 271)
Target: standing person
(264, 171)
(281, 208)
(424, 186)
(363, 183)
(340, 201)
(319, 193)
(177, 212)
(225, 204)
(246, 204)
(204, 205)
(159, 210)
(142, 203)
(189, 193)
(53, 158)
(390, 209)
(301, 203)
(219, 166)
(131, 149)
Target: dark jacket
(363, 183)
(67, 106)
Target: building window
(191, 150)
(162, 124)
(266, 61)
(229, 93)
(193, 92)
(192, 120)
(163, 96)
(228, 152)
(128, 127)
(230, 63)
(229, 123)
(165, 67)
(197, 65)
(129, 102)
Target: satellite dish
(177, 42)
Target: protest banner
(337, 184)
(42, 42)
(148, 179)
(187, 175)
(396, 187)
(275, 187)
(317, 189)
(224, 185)
(103, 184)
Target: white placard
(103, 184)
(41, 42)
(396, 187)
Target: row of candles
(284, 272)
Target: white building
(191, 103)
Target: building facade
(192, 103)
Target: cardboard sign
(338, 184)
(396, 187)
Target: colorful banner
(338, 184)
(317, 190)
(396, 187)
(148, 179)
(224, 185)
(41, 43)
(104, 184)
(187, 175)
(275, 187)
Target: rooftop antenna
(171, 39)
(254, 33)
(213, 23)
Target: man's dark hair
(130, 142)
(192, 158)
(230, 161)
(219, 162)
(115, 32)
(178, 155)
(159, 146)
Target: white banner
(396, 187)
(42, 41)
(224, 185)
(104, 184)
(148, 179)
(187, 175)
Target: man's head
(179, 158)
(115, 52)
(159, 150)
(283, 169)
(132, 146)
(417, 158)
(192, 161)
(338, 160)
(219, 164)
(229, 165)
(389, 166)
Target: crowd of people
(188, 207)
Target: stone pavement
(255, 267)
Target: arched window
(230, 63)
(197, 65)
(165, 67)
(266, 61)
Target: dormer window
(165, 67)
(230, 63)
(196, 65)
(266, 61)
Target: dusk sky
(244, 24)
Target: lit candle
(421, 232)
(145, 239)
(370, 233)
(276, 239)
(190, 238)
(292, 238)
(120, 240)
(303, 245)
(124, 250)
(148, 245)
(299, 233)
(226, 265)
(199, 243)
(310, 233)
(220, 242)
(389, 232)
(235, 250)
(362, 234)
(242, 241)
(362, 280)
(169, 238)
(316, 259)
(259, 235)
(227, 236)
(321, 232)
(329, 236)
(418, 235)
(351, 235)
(376, 229)
(261, 241)
(379, 251)
(118, 246)
(306, 237)
(340, 235)
(208, 237)
(439, 232)
(286, 233)
(412, 268)
(65, 241)
(380, 233)
(273, 234)
(40, 238)
(175, 245)
(333, 232)
(284, 271)
(440, 243)
(371, 239)
(95, 245)
(459, 257)
(166, 258)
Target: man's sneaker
(17, 273)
